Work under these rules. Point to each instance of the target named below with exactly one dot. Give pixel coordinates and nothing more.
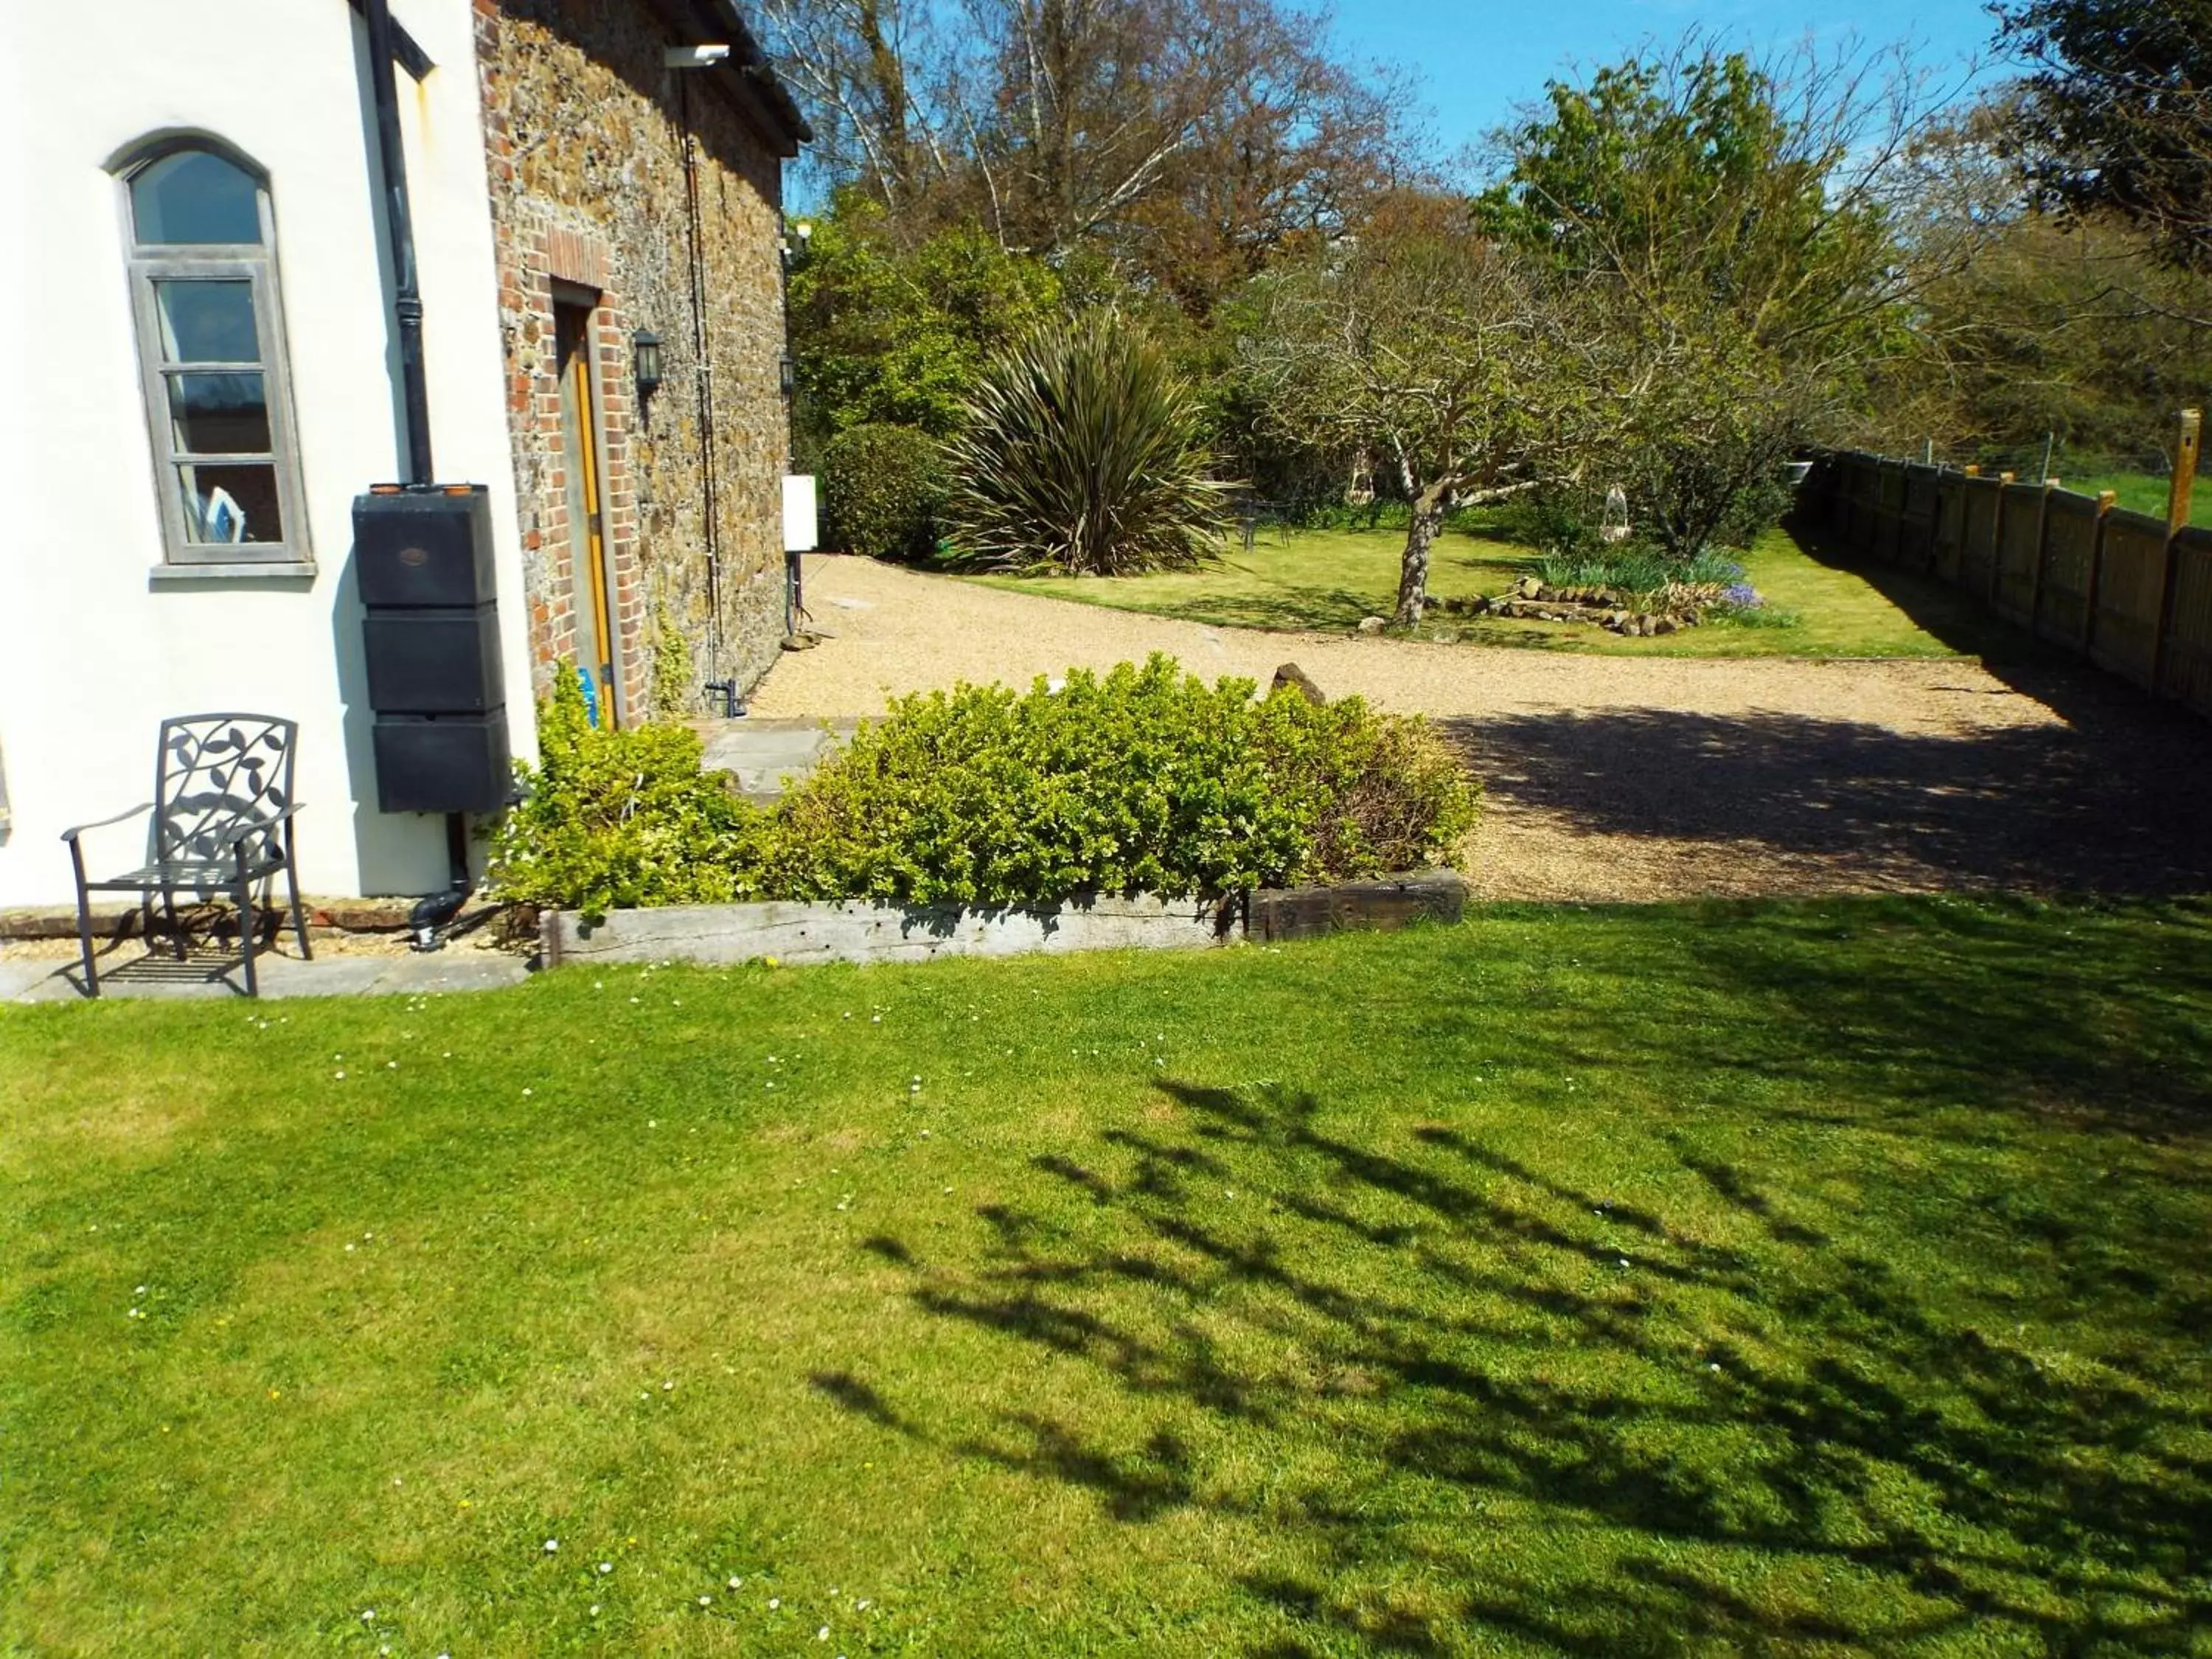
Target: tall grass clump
(1084, 454)
(1638, 569)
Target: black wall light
(645, 344)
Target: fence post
(1997, 540)
(2106, 501)
(2183, 481)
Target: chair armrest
(257, 826)
(76, 830)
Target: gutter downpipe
(433, 910)
(399, 229)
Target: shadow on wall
(2117, 800)
(1440, 1393)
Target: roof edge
(749, 61)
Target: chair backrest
(214, 773)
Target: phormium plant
(1083, 454)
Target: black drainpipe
(434, 910)
(399, 227)
(704, 370)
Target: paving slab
(17, 979)
(436, 972)
(762, 752)
(159, 977)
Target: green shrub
(1559, 523)
(1083, 454)
(615, 819)
(1140, 779)
(883, 487)
(1385, 792)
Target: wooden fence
(2108, 583)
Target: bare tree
(881, 86)
(1417, 343)
(1286, 146)
(1191, 139)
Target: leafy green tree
(890, 334)
(2073, 322)
(2073, 327)
(1720, 234)
(882, 490)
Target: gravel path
(1624, 778)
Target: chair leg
(84, 920)
(169, 915)
(245, 923)
(292, 886)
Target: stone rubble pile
(1674, 607)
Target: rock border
(791, 933)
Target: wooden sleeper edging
(793, 933)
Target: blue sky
(1475, 60)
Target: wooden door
(587, 554)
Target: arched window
(212, 349)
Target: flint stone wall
(586, 134)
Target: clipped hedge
(1140, 779)
(883, 487)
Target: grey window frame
(255, 264)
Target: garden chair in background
(222, 811)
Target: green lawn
(2144, 492)
(1817, 1279)
(1329, 580)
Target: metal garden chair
(222, 811)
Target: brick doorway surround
(539, 266)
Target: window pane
(206, 322)
(231, 503)
(192, 195)
(219, 415)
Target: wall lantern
(785, 374)
(645, 345)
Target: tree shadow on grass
(1473, 1401)
(2117, 802)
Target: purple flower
(1742, 595)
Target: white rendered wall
(92, 653)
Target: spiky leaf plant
(1083, 454)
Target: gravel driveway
(1624, 778)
